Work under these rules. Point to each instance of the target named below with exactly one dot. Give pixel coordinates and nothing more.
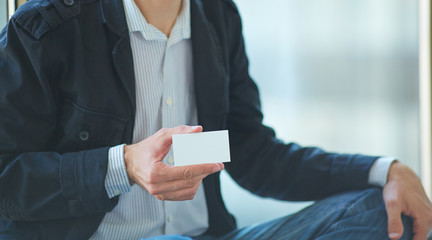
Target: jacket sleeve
(37, 183)
(265, 165)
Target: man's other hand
(404, 193)
(145, 167)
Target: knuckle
(391, 203)
(187, 173)
(190, 182)
(191, 191)
(152, 178)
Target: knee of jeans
(367, 209)
(366, 200)
(359, 203)
(371, 193)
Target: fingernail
(394, 235)
(216, 169)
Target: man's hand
(404, 193)
(145, 167)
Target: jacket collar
(113, 16)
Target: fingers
(171, 173)
(394, 211)
(176, 183)
(420, 235)
(183, 183)
(163, 188)
(180, 195)
(421, 229)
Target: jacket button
(84, 135)
(69, 2)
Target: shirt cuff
(379, 171)
(117, 180)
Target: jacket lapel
(211, 81)
(114, 18)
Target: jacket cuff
(351, 171)
(82, 179)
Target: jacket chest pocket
(80, 129)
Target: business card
(199, 148)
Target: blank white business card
(199, 148)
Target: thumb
(164, 139)
(166, 135)
(395, 227)
(186, 129)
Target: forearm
(271, 168)
(48, 185)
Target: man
(80, 78)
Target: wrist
(397, 170)
(127, 158)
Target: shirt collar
(137, 23)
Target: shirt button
(169, 101)
(84, 135)
(117, 192)
(170, 160)
(69, 2)
(170, 218)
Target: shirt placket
(168, 108)
(168, 102)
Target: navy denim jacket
(67, 93)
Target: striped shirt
(165, 99)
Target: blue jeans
(351, 215)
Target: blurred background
(340, 75)
(3, 14)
